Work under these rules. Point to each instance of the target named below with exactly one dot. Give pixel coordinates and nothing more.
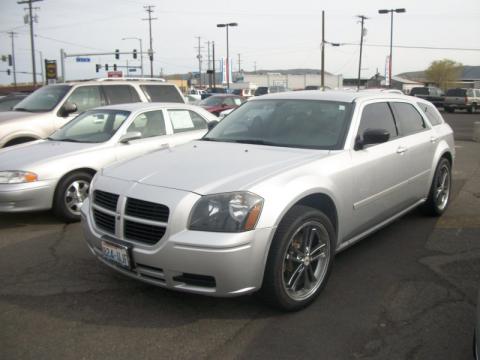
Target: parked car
(212, 91)
(429, 93)
(52, 106)
(8, 102)
(245, 93)
(280, 185)
(218, 103)
(195, 94)
(55, 173)
(462, 99)
(263, 90)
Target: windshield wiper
(68, 140)
(211, 139)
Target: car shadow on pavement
(12, 220)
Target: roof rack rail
(131, 79)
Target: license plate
(116, 254)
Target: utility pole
(255, 67)
(208, 64)
(239, 64)
(149, 10)
(213, 63)
(322, 82)
(362, 19)
(32, 43)
(199, 57)
(12, 36)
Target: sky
(271, 34)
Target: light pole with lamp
(391, 11)
(227, 66)
(141, 51)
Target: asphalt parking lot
(407, 292)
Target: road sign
(115, 74)
(132, 70)
(82, 59)
(51, 69)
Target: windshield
(419, 91)
(290, 123)
(92, 126)
(43, 99)
(212, 101)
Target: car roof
(332, 95)
(115, 82)
(146, 106)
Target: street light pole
(227, 65)
(391, 11)
(141, 51)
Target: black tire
(60, 207)
(448, 109)
(434, 206)
(283, 256)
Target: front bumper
(27, 196)
(232, 262)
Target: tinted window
(477, 93)
(419, 91)
(162, 93)
(86, 97)
(288, 123)
(120, 94)
(229, 101)
(456, 92)
(409, 120)
(43, 99)
(431, 113)
(186, 120)
(377, 116)
(150, 123)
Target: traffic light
(8, 72)
(117, 54)
(134, 53)
(106, 67)
(114, 67)
(97, 67)
(10, 60)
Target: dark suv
(429, 93)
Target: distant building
(296, 80)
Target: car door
(187, 125)
(153, 131)
(378, 171)
(85, 97)
(420, 143)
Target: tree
(444, 72)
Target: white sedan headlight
(17, 177)
(229, 212)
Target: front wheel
(439, 195)
(300, 259)
(70, 194)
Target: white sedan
(55, 173)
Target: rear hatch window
(456, 92)
(162, 93)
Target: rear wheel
(439, 196)
(300, 259)
(70, 194)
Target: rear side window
(186, 120)
(409, 120)
(456, 92)
(431, 113)
(378, 116)
(162, 93)
(149, 124)
(120, 94)
(86, 97)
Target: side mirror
(212, 124)
(68, 108)
(371, 136)
(129, 136)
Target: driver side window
(377, 116)
(86, 97)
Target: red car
(218, 103)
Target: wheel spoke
(308, 281)
(299, 276)
(294, 258)
(296, 274)
(444, 179)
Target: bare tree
(444, 72)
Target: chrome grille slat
(104, 221)
(105, 199)
(147, 210)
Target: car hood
(29, 155)
(211, 167)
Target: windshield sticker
(341, 107)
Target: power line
(416, 47)
(68, 43)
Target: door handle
(401, 150)
(433, 139)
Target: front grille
(147, 210)
(105, 199)
(104, 221)
(144, 233)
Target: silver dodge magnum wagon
(265, 199)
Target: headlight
(229, 212)
(17, 177)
